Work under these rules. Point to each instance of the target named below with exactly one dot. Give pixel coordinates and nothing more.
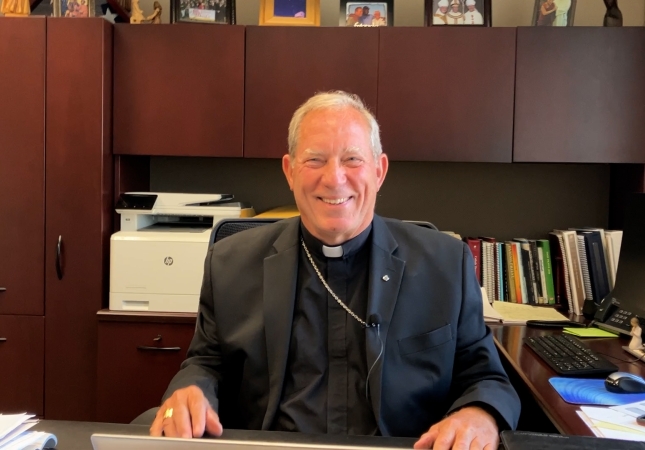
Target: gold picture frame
(269, 16)
(80, 8)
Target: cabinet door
(580, 95)
(22, 344)
(178, 90)
(446, 93)
(136, 363)
(22, 165)
(287, 65)
(79, 209)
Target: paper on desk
(589, 332)
(515, 313)
(613, 424)
(631, 409)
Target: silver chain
(340, 302)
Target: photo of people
(215, 11)
(554, 13)
(290, 8)
(459, 12)
(367, 14)
(74, 8)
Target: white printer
(157, 259)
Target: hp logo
(168, 261)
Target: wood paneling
(79, 209)
(287, 65)
(178, 90)
(22, 165)
(580, 95)
(22, 343)
(446, 93)
(134, 369)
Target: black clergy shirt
(324, 387)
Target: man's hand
(191, 415)
(470, 428)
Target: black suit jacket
(438, 353)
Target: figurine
(155, 17)
(136, 14)
(15, 8)
(637, 341)
(613, 17)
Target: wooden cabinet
(446, 93)
(287, 65)
(79, 208)
(178, 90)
(22, 346)
(138, 354)
(580, 95)
(22, 165)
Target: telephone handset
(611, 317)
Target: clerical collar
(345, 250)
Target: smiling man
(341, 321)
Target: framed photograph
(458, 12)
(73, 8)
(366, 14)
(554, 13)
(204, 11)
(290, 12)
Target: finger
(493, 445)
(445, 439)
(427, 439)
(181, 421)
(213, 425)
(169, 428)
(197, 410)
(157, 426)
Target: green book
(548, 270)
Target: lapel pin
(386, 278)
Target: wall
(500, 200)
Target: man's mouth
(335, 201)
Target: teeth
(335, 201)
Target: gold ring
(167, 414)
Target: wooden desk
(530, 376)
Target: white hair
(333, 100)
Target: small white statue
(637, 341)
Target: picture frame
(220, 12)
(550, 16)
(355, 13)
(470, 13)
(290, 12)
(73, 8)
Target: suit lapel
(386, 273)
(280, 276)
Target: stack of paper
(517, 313)
(617, 422)
(14, 434)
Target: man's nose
(334, 173)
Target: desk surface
(535, 373)
(76, 435)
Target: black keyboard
(569, 356)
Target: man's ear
(287, 168)
(382, 164)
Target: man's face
(377, 14)
(334, 177)
(455, 8)
(366, 11)
(358, 11)
(471, 7)
(443, 9)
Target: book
(564, 290)
(510, 273)
(598, 271)
(520, 283)
(614, 239)
(570, 241)
(475, 248)
(545, 248)
(15, 434)
(515, 314)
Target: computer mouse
(624, 383)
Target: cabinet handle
(3, 289)
(59, 268)
(3, 339)
(146, 348)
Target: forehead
(334, 128)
